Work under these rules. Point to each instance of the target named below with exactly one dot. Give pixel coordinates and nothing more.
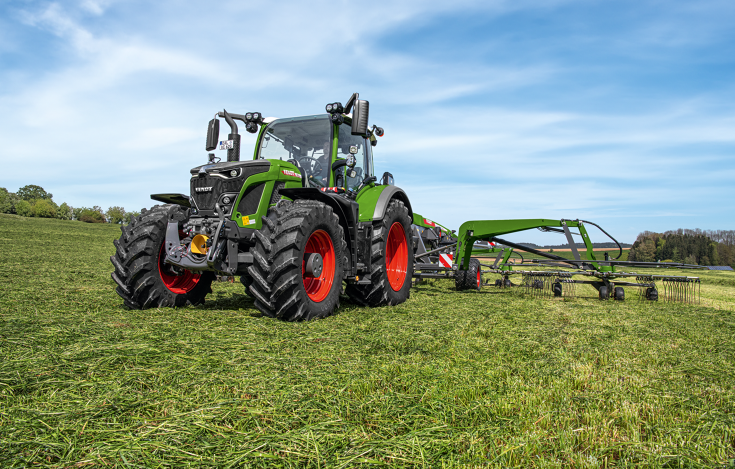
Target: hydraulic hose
(620, 248)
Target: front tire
(284, 284)
(391, 258)
(143, 279)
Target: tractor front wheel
(143, 279)
(298, 262)
(391, 258)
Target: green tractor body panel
(368, 199)
(282, 174)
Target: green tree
(76, 213)
(6, 201)
(44, 208)
(23, 208)
(676, 257)
(116, 215)
(64, 212)
(646, 252)
(33, 192)
(92, 215)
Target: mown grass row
(447, 379)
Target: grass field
(447, 379)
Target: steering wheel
(314, 165)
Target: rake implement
(442, 254)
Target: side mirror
(212, 134)
(360, 117)
(387, 179)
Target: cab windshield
(303, 141)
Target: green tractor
(303, 216)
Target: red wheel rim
(179, 284)
(317, 288)
(478, 279)
(396, 256)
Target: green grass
(447, 379)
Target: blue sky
(622, 113)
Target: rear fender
(374, 201)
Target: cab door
(363, 167)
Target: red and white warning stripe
(429, 222)
(446, 260)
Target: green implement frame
(489, 230)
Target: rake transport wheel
(298, 262)
(470, 279)
(392, 260)
(143, 279)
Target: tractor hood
(211, 182)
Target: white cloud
(131, 89)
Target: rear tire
(279, 284)
(392, 260)
(143, 279)
(619, 294)
(604, 294)
(470, 279)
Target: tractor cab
(315, 144)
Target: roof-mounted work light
(254, 117)
(338, 119)
(334, 108)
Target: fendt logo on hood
(203, 189)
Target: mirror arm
(230, 121)
(350, 102)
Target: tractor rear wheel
(143, 279)
(298, 262)
(391, 258)
(470, 279)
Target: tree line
(34, 201)
(702, 247)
